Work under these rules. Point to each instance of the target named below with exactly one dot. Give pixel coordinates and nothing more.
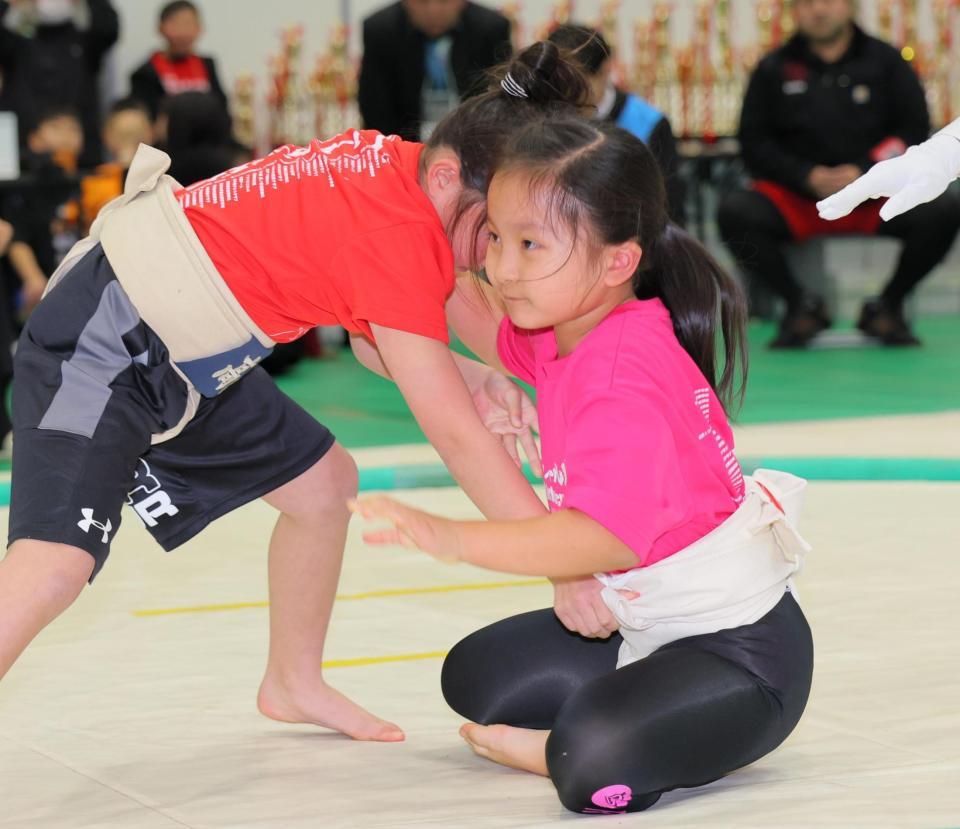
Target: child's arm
(474, 314)
(559, 545)
(431, 383)
(34, 280)
(503, 407)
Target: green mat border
(812, 468)
(943, 470)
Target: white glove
(916, 177)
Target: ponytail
(705, 304)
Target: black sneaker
(886, 324)
(799, 327)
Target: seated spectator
(51, 52)
(45, 211)
(818, 112)
(421, 58)
(127, 127)
(593, 53)
(195, 131)
(176, 68)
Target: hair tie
(512, 88)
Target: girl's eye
(492, 236)
(529, 245)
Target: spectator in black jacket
(818, 112)
(421, 57)
(617, 106)
(176, 68)
(51, 53)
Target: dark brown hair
(545, 80)
(587, 45)
(603, 179)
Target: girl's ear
(442, 176)
(622, 262)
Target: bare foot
(324, 706)
(518, 748)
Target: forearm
(368, 355)
(478, 462)
(25, 263)
(559, 545)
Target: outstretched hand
(409, 527)
(918, 176)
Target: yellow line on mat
(346, 597)
(379, 660)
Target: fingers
(509, 441)
(513, 398)
(376, 506)
(530, 416)
(586, 623)
(386, 509)
(532, 451)
(385, 537)
(607, 620)
(843, 203)
(918, 191)
(598, 630)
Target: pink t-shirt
(632, 434)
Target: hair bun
(544, 74)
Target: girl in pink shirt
(634, 339)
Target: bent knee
(458, 682)
(589, 780)
(58, 572)
(325, 486)
(339, 472)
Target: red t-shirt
(336, 233)
(178, 75)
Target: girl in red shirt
(128, 377)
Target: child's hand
(411, 528)
(509, 413)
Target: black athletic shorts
(92, 383)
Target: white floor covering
(114, 718)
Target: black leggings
(690, 713)
(755, 232)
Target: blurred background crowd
(754, 110)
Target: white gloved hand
(916, 177)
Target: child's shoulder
(635, 343)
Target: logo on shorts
(229, 375)
(88, 523)
(148, 500)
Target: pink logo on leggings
(613, 797)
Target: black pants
(755, 232)
(690, 713)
